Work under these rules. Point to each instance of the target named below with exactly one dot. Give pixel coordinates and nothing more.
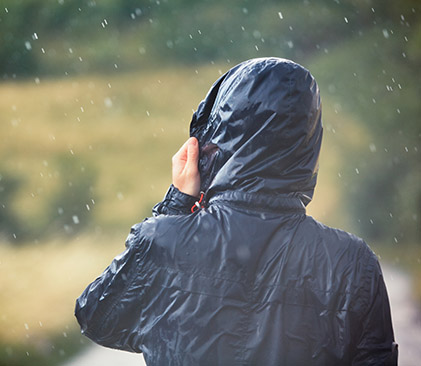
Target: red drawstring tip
(197, 205)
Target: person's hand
(185, 171)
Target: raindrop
(75, 219)
(372, 147)
(88, 208)
(257, 48)
(147, 113)
(138, 11)
(42, 50)
(346, 19)
(290, 44)
(245, 11)
(395, 239)
(6, 10)
(280, 15)
(398, 110)
(132, 15)
(37, 81)
(28, 45)
(26, 326)
(80, 59)
(357, 171)
(60, 211)
(385, 33)
(35, 36)
(108, 102)
(120, 196)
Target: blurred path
(405, 313)
(101, 356)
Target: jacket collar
(257, 201)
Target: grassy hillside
(121, 130)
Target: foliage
(51, 352)
(380, 87)
(69, 207)
(9, 220)
(364, 53)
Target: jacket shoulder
(336, 237)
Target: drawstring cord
(197, 205)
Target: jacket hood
(259, 130)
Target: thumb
(192, 154)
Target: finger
(192, 154)
(181, 154)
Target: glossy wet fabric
(248, 279)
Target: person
(239, 274)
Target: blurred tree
(10, 225)
(70, 206)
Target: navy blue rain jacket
(248, 278)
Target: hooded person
(242, 276)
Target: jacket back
(248, 279)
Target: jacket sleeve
(376, 345)
(175, 203)
(107, 308)
(109, 311)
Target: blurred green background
(96, 96)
